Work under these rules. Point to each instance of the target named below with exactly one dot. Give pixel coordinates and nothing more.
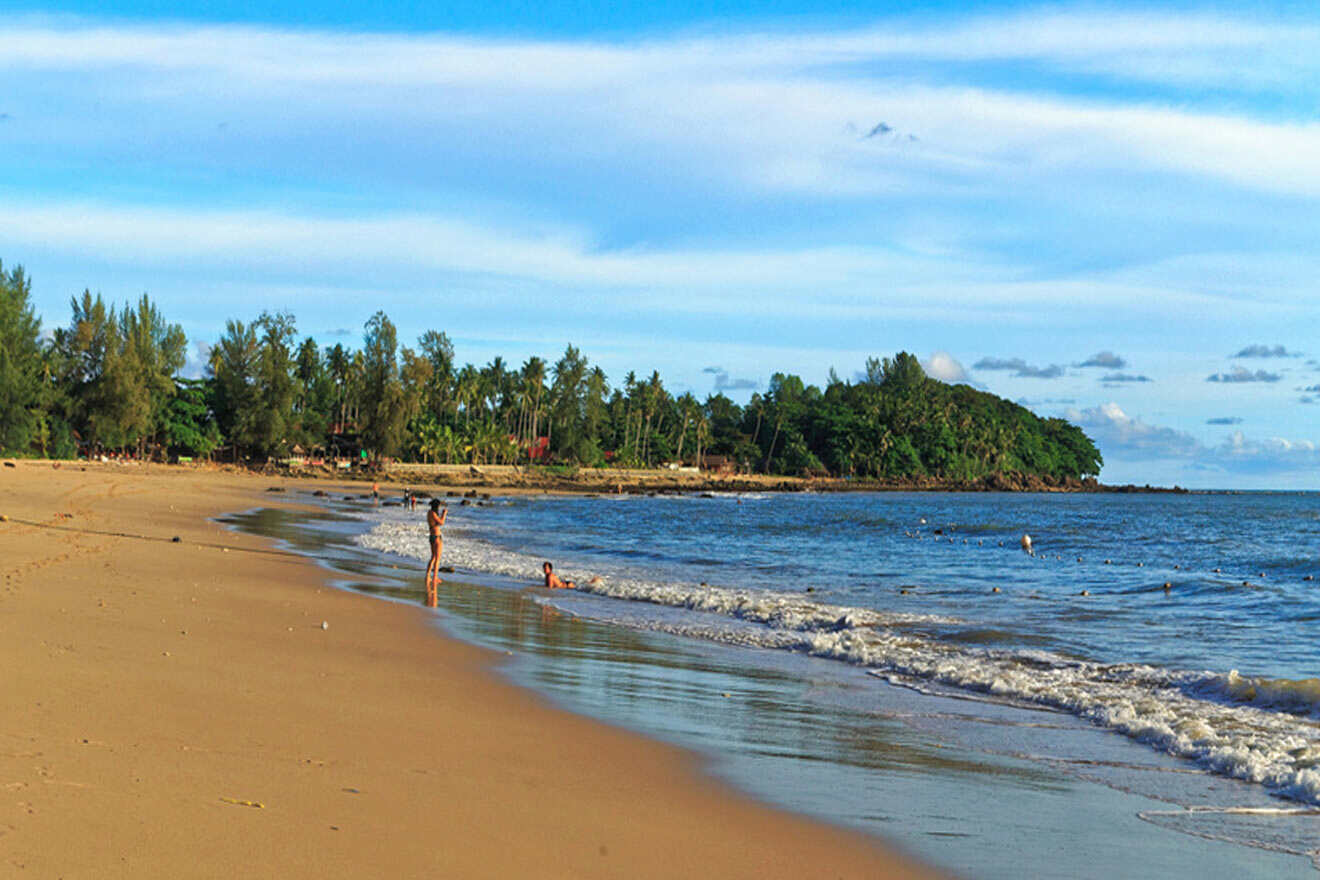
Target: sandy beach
(176, 709)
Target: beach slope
(176, 709)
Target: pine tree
(20, 362)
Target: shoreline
(562, 648)
(168, 688)
(637, 481)
(515, 479)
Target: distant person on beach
(375, 491)
(435, 519)
(553, 580)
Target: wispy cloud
(753, 108)
(1106, 359)
(1122, 378)
(1118, 433)
(414, 241)
(1265, 351)
(1242, 374)
(1224, 420)
(1019, 368)
(1265, 456)
(1123, 437)
(725, 382)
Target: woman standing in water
(435, 519)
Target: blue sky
(1106, 212)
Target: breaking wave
(1260, 730)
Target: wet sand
(177, 709)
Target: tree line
(108, 382)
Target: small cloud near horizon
(1118, 378)
(1121, 436)
(723, 382)
(1241, 374)
(1266, 351)
(339, 331)
(881, 130)
(198, 359)
(945, 367)
(1019, 368)
(1116, 431)
(1106, 359)
(1224, 420)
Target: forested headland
(108, 382)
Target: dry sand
(176, 710)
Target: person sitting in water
(553, 581)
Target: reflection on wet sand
(968, 790)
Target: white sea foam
(1261, 730)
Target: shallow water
(986, 732)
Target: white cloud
(296, 257)
(271, 240)
(945, 367)
(1240, 453)
(761, 110)
(1110, 40)
(1122, 437)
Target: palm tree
(533, 372)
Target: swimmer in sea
(435, 520)
(553, 580)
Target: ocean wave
(1254, 729)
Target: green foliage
(384, 407)
(20, 363)
(271, 422)
(115, 372)
(109, 379)
(189, 427)
(233, 371)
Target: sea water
(897, 662)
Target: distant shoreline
(636, 481)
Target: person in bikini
(553, 580)
(435, 520)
